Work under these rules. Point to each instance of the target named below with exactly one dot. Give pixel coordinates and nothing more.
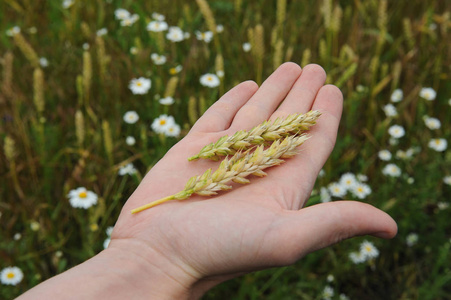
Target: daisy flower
(368, 250)
(131, 117)
(160, 124)
(343, 297)
(106, 242)
(220, 73)
(438, 145)
(130, 20)
(384, 155)
(432, 123)
(140, 86)
(102, 32)
(11, 276)
(390, 110)
(428, 93)
(219, 28)
(391, 170)
(337, 190)
(210, 80)
(13, 31)
(82, 198)
(361, 190)
(327, 293)
(68, 3)
(324, 195)
(411, 239)
(397, 95)
(157, 26)
(175, 34)
(133, 50)
(128, 169)
(130, 140)
(121, 14)
(357, 257)
(362, 177)
(173, 130)
(348, 180)
(246, 47)
(396, 131)
(158, 17)
(167, 101)
(175, 70)
(43, 62)
(447, 180)
(206, 36)
(158, 59)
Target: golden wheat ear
(264, 133)
(236, 169)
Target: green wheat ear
(236, 169)
(261, 134)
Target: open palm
(257, 225)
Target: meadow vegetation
(94, 93)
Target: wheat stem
(265, 132)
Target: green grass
(367, 50)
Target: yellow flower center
(209, 78)
(437, 142)
(172, 71)
(162, 122)
(359, 189)
(83, 195)
(203, 35)
(368, 249)
(139, 83)
(10, 275)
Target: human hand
(200, 242)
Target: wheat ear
(265, 132)
(236, 169)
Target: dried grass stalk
(236, 169)
(265, 132)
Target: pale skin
(181, 249)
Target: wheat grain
(236, 169)
(265, 132)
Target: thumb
(318, 226)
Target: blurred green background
(66, 67)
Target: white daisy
(11, 276)
(219, 28)
(247, 47)
(428, 93)
(368, 250)
(432, 123)
(328, 293)
(109, 230)
(362, 177)
(173, 130)
(397, 95)
(102, 32)
(206, 36)
(411, 239)
(160, 124)
(324, 195)
(220, 73)
(158, 17)
(106, 242)
(158, 59)
(384, 155)
(391, 170)
(336, 189)
(157, 26)
(167, 101)
(175, 34)
(140, 86)
(357, 257)
(82, 198)
(13, 31)
(438, 145)
(43, 62)
(210, 80)
(177, 69)
(396, 131)
(121, 14)
(131, 117)
(390, 110)
(128, 169)
(17, 236)
(348, 181)
(133, 50)
(343, 297)
(130, 140)
(32, 30)
(130, 20)
(442, 205)
(85, 46)
(447, 180)
(410, 180)
(68, 3)
(361, 190)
